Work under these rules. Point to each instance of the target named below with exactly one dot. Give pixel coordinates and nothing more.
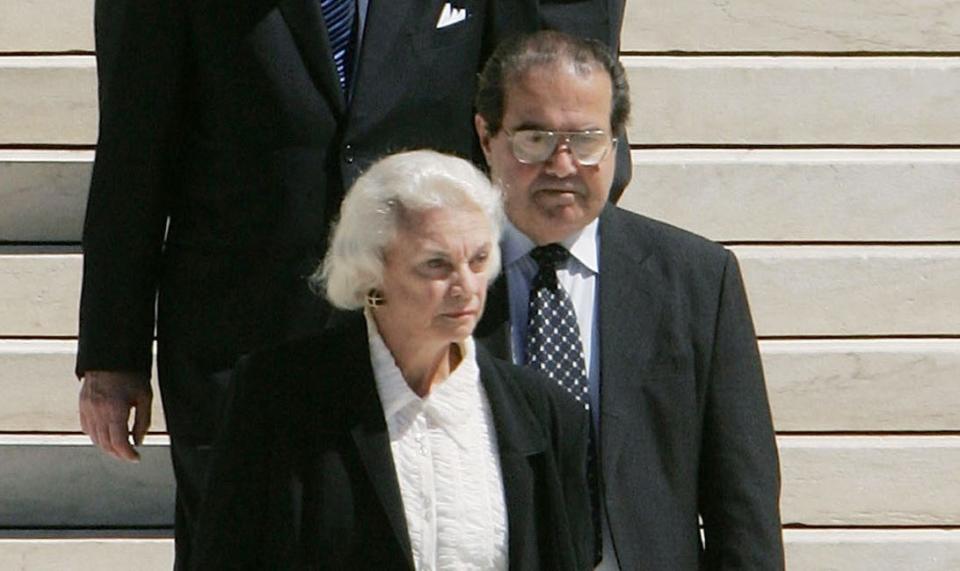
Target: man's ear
(480, 124)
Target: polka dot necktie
(339, 16)
(553, 336)
(554, 348)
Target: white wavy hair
(412, 181)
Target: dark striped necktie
(339, 16)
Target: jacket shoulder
(309, 373)
(654, 233)
(675, 252)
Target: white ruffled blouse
(445, 453)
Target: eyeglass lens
(534, 146)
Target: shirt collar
(450, 403)
(582, 245)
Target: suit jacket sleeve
(141, 64)
(739, 480)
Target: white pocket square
(450, 16)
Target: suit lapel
(382, 36)
(629, 312)
(368, 429)
(305, 20)
(518, 438)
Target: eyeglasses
(531, 146)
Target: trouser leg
(190, 465)
(193, 404)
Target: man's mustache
(563, 185)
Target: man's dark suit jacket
(685, 428)
(224, 149)
(303, 476)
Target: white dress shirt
(445, 453)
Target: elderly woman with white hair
(392, 441)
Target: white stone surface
(793, 291)
(868, 385)
(792, 26)
(814, 385)
(794, 100)
(46, 25)
(677, 100)
(726, 195)
(62, 481)
(48, 100)
(853, 290)
(43, 195)
(870, 480)
(801, 195)
(827, 481)
(872, 550)
(40, 374)
(39, 294)
(654, 25)
(93, 554)
(806, 550)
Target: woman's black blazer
(303, 476)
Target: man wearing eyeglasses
(645, 324)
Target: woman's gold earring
(374, 298)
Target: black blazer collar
(366, 424)
(518, 430)
(519, 436)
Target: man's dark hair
(520, 54)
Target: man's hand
(106, 398)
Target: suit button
(348, 154)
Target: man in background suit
(228, 133)
(648, 324)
